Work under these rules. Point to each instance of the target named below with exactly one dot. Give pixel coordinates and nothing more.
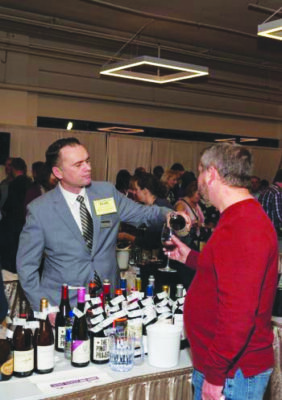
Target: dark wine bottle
(80, 346)
(60, 322)
(123, 286)
(100, 343)
(106, 295)
(44, 341)
(6, 360)
(178, 224)
(23, 345)
(178, 315)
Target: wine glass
(165, 237)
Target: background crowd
(175, 188)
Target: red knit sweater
(227, 310)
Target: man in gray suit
(54, 227)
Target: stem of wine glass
(167, 262)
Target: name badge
(105, 206)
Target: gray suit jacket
(51, 230)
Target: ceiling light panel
(179, 70)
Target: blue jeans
(237, 388)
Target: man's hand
(212, 392)
(181, 251)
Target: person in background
(255, 186)
(122, 181)
(177, 188)
(228, 307)
(149, 191)
(158, 171)
(43, 181)
(190, 205)
(13, 214)
(139, 170)
(271, 200)
(170, 179)
(76, 226)
(5, 182)
(264, 184)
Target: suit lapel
(96, 218)
(63, 212)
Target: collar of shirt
(73, 204)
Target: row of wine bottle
(82, 332)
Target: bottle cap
(150, 291)
(81, 295)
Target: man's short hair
(19, 164)
(232, 161)
(177, 167)
(52, 153)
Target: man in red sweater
(227, 310)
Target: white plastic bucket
(163, 345)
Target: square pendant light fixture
(272, 29)
(154, 69)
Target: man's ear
(57, 172)
(212, 175)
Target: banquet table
(143, 382)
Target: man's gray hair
(232, 161)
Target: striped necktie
(86, 222)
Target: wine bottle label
(163, 303)
(87, 297)
(181, 300)
(23, 360)
(114, 309)
(133, 296)
(19, 321)
(97, 311)
(117, 300)
(31, 325)
(9, 334)
(61, 337)
(161, 310)
(147, 302)
(119, 314)
(133, 306)
(165, 318)
(86, 306)
(149, 310)
(162, 295)
(53, 309)
(149, 319)
(40, 315)
(7, 367)
(77, 312)
(135, 314)
(108, 321)
(97, 320)
(97, 328)
(80, 351)
(45, 357)
(101, 348)
(95, 301)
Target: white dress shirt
(74, 205)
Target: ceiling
(213, 28)
(220, 34)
